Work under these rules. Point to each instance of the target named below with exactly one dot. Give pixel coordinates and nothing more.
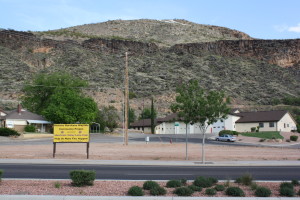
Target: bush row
(8, 132)
(228, 132)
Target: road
(116, 172)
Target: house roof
(24, 114)
(142, 123)
(260, 116)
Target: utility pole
(126, 98)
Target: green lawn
(266, 135)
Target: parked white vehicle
(227, 138)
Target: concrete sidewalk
(153, 162)
(35, 197)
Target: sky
(263, 19)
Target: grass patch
(264, 135)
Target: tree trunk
(203, 144)
(186, 143)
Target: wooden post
(87, 149)
(54, 149)
(126, 98)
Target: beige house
(19, 118)
(277, 120)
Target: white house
(235, 121)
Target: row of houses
(279, 120)
(19, 118)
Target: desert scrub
(183, 191)
(174, 183)
(245, 179)
(57, 184)
(148, 185)
(210, 191)
(235, 192)
(204, 182)
(156, 191)
(295, 182)
(220, 187)
(286, 189)
(1, 173)
(262, 192)
(135, 191)
(82, 177)
(195, 188)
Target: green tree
(68, 107)
(37, 94)
(108, 118)
(146, 113)
(196, 105)
(59, 99)
(131, 116)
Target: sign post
(71, 133)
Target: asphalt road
(118, 172)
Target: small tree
(131, 116)
(199, 106)
(108, 117)
(146, 113)
(153, 115)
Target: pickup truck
(227, 138)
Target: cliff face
(285, 53)
(247, 70)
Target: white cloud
(281, 28)
(294, 28)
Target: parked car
(226, 137)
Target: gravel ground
(103, 188)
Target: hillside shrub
(82, 177)
(235, 192)
(135, 191)
(262, 192)
(294, 138)
(210, 191)
(8, 132)
(286, 191)
(295, 182)
(183, 191)
(156, 191)
(148, 185)
(228, 132)
(245, 179)
(174, 183)
(195, 188)
(203, 182)
(220, 187)
(30, 128)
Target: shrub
(210, 191)
(235, 192)
(1, 173)
(213, 180)
(203, 182)
(195, 188)
(295, 182)
(220, 187)
(57, 185)
(223, 132)
(294, 138)
(253, 129)
(183, 191)
(8, 132)
(156, 191)
(82, 177)
(246, 179)
(298, 192)
(148, 185)
(287, 185)
(183, 181)
(135, 191)
(30, 128)
(286, 191)
(262, 192)
(253, 186)
(174, 184)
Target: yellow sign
(71, 133)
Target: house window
(271, 124)
(284, 125)
(261, 124)
(287, 125)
